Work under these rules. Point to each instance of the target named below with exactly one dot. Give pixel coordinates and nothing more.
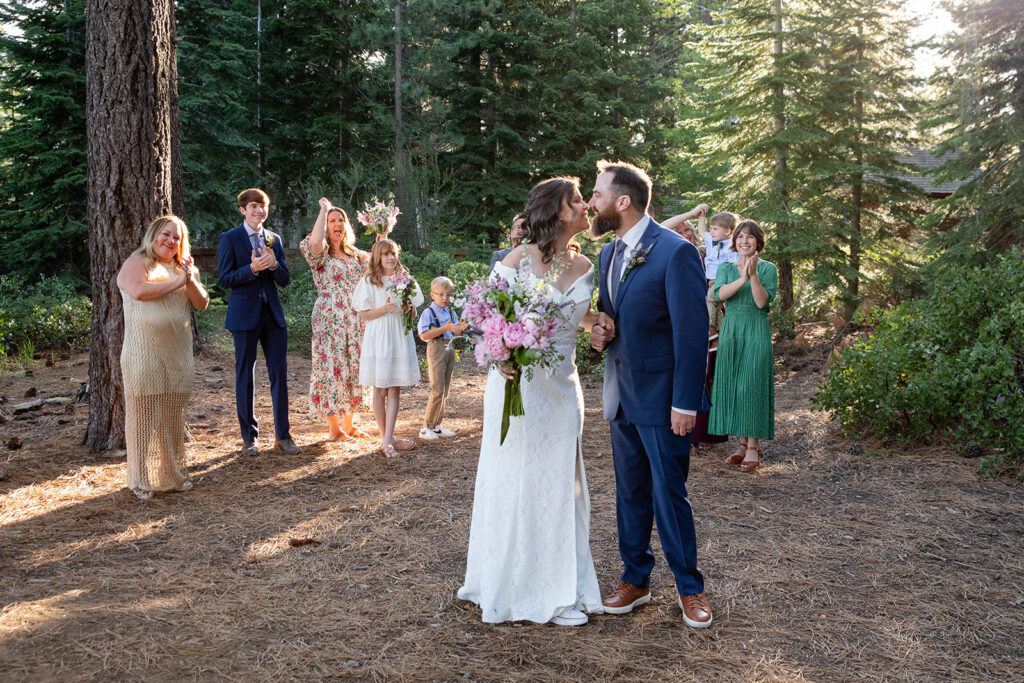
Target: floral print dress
(334, 388)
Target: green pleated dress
(743, 397)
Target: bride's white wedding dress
(529, 541)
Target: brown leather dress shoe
(287, 446)
(696, 611)
(624, 598)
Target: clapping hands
(749, 268)
(263, 260)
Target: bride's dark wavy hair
(541, 214)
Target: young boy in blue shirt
(718, 249)
(439, 324)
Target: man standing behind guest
(250, 262)
(515, 236)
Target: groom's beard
(604, 223)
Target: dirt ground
(837, 560)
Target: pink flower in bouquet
(380, 218)
(494, 325)
(496, 349)
(480, 353)
(514, 335)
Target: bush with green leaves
(588, 361)
(48, 315)
(950, 363)
(436, 262)
(297, 299)
(464, 272)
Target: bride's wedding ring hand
(599, 337)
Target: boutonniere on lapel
(270, 240)
(638, 258)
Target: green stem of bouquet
(513, 402)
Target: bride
(529, 542)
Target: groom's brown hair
(630, 181)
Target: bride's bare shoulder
(580, 264)
(514, 257)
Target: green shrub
(297, 299)
(588, 361)
(950, 363)
(464, 272)
(49, 314)
(436, 263)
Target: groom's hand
(682, 424)
(608, 323)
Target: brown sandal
(737, 457)
(748, 466)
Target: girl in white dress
(388, 358)
(529, 541)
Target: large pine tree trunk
(129, 80)
(785, 264)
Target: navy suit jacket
(660, 349)
(234, 269)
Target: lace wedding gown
(529, 541)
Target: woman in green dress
(743, 398)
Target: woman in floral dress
(334, 389)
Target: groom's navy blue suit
(656, 362)
(255, 317)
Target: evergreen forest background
(803, 114)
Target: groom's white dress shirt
(632, 241)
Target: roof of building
(929, 163)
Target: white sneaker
(447, 433)
(569, 617)
(428, 434)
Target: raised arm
(318, 238)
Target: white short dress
(388, 357)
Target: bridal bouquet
(402, 287)
(380, 218)
(516, 323)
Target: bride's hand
(506, 371)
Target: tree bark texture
(129, 79)
(785, 264)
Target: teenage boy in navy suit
(250, 262)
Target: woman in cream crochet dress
(159, 287)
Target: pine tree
(325, 124)
(43, 227)
(757, 124)
(218, 102)
(867, 103)
(980, 116)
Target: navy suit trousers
(274, 340)
(651, 466)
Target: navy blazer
(660, 349)
(234, 272)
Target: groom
(652, 289)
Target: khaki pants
(715, 314)
(440, 366)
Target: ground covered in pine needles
(837, 560)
